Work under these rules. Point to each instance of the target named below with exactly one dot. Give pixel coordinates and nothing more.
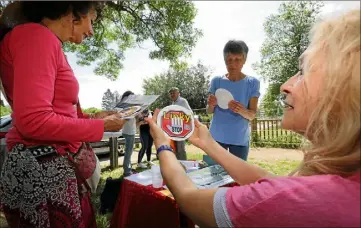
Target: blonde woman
(322, 103)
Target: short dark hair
(35, 11)
(235, 47)
(126, 94)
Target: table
(144, 206)
(113, 146)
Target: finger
(197, 124)
(150, 121)
(117, 114)
(155, 114)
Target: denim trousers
(129, 146)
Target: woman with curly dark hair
(43, 181)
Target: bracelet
(164, 147)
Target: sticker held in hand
(176, 122)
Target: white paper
(143, 178)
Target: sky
(219, 21)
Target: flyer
(135, 104)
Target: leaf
(192, 81)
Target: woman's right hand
(113, 122)
(212, 100)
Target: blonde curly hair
(334, 125)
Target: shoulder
(182, 99)
(287, 190)
(252, 79)
(217, 78)
(33, 33)
(247, 204)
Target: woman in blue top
(230, 127)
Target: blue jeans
(129, 146)
(238, 151)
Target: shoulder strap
(78, 108)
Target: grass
(278, 167)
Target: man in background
(179, 146)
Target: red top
(42, 91)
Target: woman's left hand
(158, 135)
(103, 114)
(236, 107)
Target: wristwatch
(164, 147)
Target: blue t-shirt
(226, 126)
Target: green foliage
(91, 110)
(125, 24)
(286, 39)
(193, 83)
(269, 104)
(5, 110)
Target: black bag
(110, 193)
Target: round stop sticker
(176, 122)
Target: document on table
(143, 178)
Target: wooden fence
(268, 133)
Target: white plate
(223, 98)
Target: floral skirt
(39, 188)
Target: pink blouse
(42, 91)
(314, 201)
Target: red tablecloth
(144, 206)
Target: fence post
(113, 147)
(254, 136)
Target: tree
(125, 24)
(108, 101)
(286, 39)
(193, 83)
(169, 24)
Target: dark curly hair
(35, 11)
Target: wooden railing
(268, 133)
(113, 144)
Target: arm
(186, 105)
(212, 100)
(197, 204)
(251, 112)
(210, 109)
(234, 166)
(35, 66)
